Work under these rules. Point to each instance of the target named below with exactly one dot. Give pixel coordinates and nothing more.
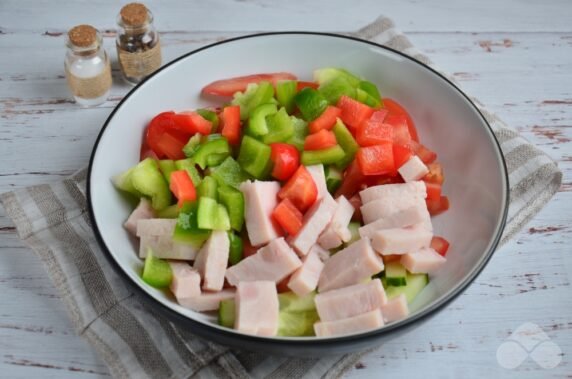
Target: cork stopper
(134, 14)
(82, 35)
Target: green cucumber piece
(285, 92)
(300, 128)
(368, 94)
(415, 283)
(334, 178)
(148, 180)
(236, 248)
(222, 219)
(395, 274)
(326, 74)
(208, 188)
(206, 213)
(167, 166)
(226, 313)
(233, 200)
(297, 324)
(172, 211)
(229, 173)
(333, 89)
(187, 229)
(156, 272)
(123, 182)
(330, 155)
(290, 302)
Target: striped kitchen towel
(135, 341)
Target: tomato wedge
(395, 108)
(321, 140)
(182, 187)
(230, 119)
(440, 245)
(191, 123)
(228, 87)
(326, 120)
(376, 160)
(300, 189)
(171, 146)
(288, 217)
(286, 159)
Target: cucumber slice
(222, 220)
(395, 274)
(300, 132)
(333, 89)
(148, 180)
(123, 182)
(236, 248)
(285, 92)
(326, 74)
(156, 272)
(226, 313)
(167, 166)
(290, 302)
(208, 188)
(415, 283)
(172, 211)
(206, 213)
(297, 324)
(333, 178)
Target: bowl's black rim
(229, 335)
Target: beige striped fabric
(135, 341)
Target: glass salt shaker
(138, 47)
(87, 66)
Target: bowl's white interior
(446, 122)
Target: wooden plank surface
(515, 56)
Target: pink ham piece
(412, 170)
(350, 266)
(357, 324)
(388, 207)
(337, 230)
(212, 259)
(422, 261)
(143, 211)
(399, 190)
(157, 234)
(350, 301)
(401, 240)
(206, 301)
(273, 262)
(415, 214)
(315, 221)
(319, 176)
(305, 279)
(186, 280)
(395, 309)
(257, 308)
(260, 201)
(156, 227)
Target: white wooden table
(516, 56)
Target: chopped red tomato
(376, 160)
(401, 155)
(433, 191)
(353, 113)
(326, 120)
(288, 217)
(395, 108)
(230, 120)
(170, 146)
(440, 245)
(301, 85)
(352, 181)
(300, 189)
(426, 155)
(191, 123)
(436, 207)
(401, 135)
(159, 125)
(182, 187)
(435, 174)
(227, 87)
(374, 130)
(286, 159)
(321, 140)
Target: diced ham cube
(425, 260)
(319, 176)
(186, 280)
(315, 221)
(323, 254)
(144, 211)
(212, 259)
(401, 240)
(165, 248)
(412, 215)
(350, 266)
(412, 170)
(257, 308)
(337, 230)
(357, 324)
(156, 227)
(207, 301)
(389, 206)
(399, 190)
(260, 201)
(395, 309)
(350, 301)
(273, 262)
(305, 279)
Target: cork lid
(82, 35)
(134, 14)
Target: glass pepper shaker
(138, 47)
(87, 67)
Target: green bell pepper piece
(280, 127)
(229, 173)
(330, 155)
(285, 92)
(347, 142)
(187, 229)
(311, 103)
(333, 178)
(211, 215)
(123, 182)
(192, 145)
(211, 116)
(254, 95)
(372, 98)
(333, 89)
(156, 272)
(254, 157)
(148, 181)
(236, 248)
(326, 74)
(216, 146)
(189, 165)
(208, 188)
(300, 128)
(172, 211)
(233, 200)
(258, 120)
(167, 166)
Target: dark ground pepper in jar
(138, 46)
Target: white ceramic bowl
(447, 121)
